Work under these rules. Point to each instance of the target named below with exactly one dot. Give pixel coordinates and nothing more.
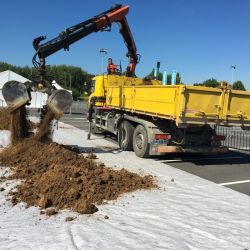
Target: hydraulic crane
(17, 94)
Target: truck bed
(183, 104)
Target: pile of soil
(58, 177)
(55, 176)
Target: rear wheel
(125, 135)
(140, 142)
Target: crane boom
(18, 94)
(101, 22)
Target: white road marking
(242, 148)
(169, 161)
(205, 158)
(233, 183)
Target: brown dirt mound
(55, 176)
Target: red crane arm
(119, 16)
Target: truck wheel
(125, 135)
(140, 142)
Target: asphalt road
(231, 169)
(78, 121)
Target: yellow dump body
(182, 103)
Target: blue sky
(198, 38)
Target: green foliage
(178, 78)
(238, 85)
(75, 93)
(198, 84)
(24, 71)
(211, 83)
(69, 77)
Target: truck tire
(140, 142)
(125, 135)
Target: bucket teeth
(15, 94)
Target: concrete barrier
(78, 107)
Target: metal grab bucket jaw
(15, 94)
(59, 102)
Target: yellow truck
(153, 119)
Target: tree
(178, 78)
(198, 84)
(4, 66)
(211, 83)
(238, 85)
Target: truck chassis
(149, 136)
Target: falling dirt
(4, 118)
(45, 126)
(16, 121)
(19, 125)
(54, 176)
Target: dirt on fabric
(54, 176)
